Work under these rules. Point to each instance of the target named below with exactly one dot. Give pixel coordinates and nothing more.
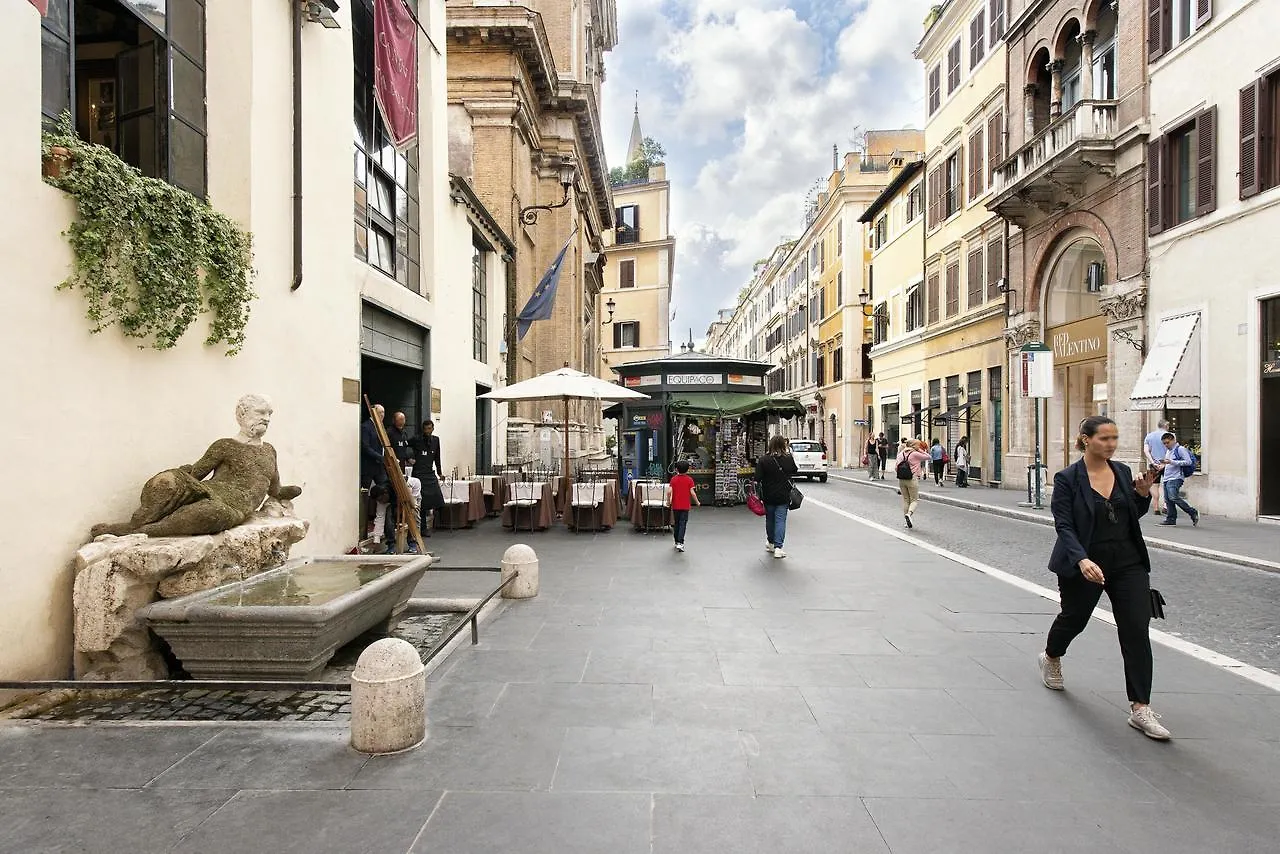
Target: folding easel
(406, 513)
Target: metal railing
(1087, 120)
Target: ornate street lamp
(529, 215)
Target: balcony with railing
(1051, 171)
(625, 235)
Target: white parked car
(810, 459)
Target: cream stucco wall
(1220, 264)
(91, 417)
(649, 301)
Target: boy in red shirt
(682, 495)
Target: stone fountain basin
(286, 623)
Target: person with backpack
(1178, 465)
(911, 460)
(773, 472)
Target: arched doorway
(1076, 329)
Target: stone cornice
(1126, 306)
(1021, 334)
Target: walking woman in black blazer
(1096, 507)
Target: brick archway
(1067, 229)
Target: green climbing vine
(149, 257)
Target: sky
(748, 97)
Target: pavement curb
(1035, 518)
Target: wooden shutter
(1206, 161)
(1155, 185)
(995, 267)
(953, 288)
(1250, 150)
(1159, 28)
(995, 142)
(617, 336)
(975, 278)
(1204, 11)
(959, 179)
(932, 297)
(997, 21)
(635, 332)
(627, 274)
(977, 165)
(934, 180)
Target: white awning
(1170, 377)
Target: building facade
(524, 124)
(893, 226)
(1073, 185)
(334, 318)
(641, 257)
(1213, 181)
(963, 54)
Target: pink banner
(42, 5)
(395, 70)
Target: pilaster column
(1086, 64)
(1055, 89)
(1029, 93)
(1023, 329)
(1126, 311)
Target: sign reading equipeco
(695, 379)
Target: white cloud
(748, 97)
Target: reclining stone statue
(180, 502)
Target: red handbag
(754, 504)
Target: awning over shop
(1170, 377)
(923, 414)
(730, 405)
(967, 412)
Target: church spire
(634, 149)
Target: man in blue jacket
(1178, 463)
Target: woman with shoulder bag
(773, 472)
(1096, 507)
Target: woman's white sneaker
(1148, 723)
(1051, 672)
(779, 554)
(768, 547)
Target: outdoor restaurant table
(493, 500)
(608, 510)
(475, 500)
(544, 510)
(635, 510)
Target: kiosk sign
(695, 379)
(1036, 371)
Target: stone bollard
(520, 558)
(388, 698)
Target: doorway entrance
(484, 431)
(1269, 411)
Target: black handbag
(797, 497)
(1157, 605)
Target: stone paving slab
(591, 719)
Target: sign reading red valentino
(395, 70)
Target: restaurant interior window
(132, 75)
(479, 300)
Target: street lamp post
(529, 215)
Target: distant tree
(651, 154)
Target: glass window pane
(362, 240)
(186, 26)
(382, 195)
(151, 11)
(402, 206)
(402, 170)
(381, 250)
(138, 143)
(186, 158)
(58, 17)
(360, 168)
(136, 69)
(188, 90)
(55, 75)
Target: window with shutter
(935, 195)
(977, 32)
(977, 165)
(1250, 179)
(1155, 186)
(935, 89)
(1159, 28)
(995, 268)
(1206, 161)
(997, 21)
(1204, 11)
(627, 274)
(995, 143)
(974, 284)
(954, 194)
(953, 67)
(953, 288)
(617, 336)
(931, 298)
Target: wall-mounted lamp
(568, 169)
(320, 12)
(609, 306)
(1094, 275)
(1127, 336)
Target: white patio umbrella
(564, 384)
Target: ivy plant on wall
(148, 257)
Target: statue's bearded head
(253, 414)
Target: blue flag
(544, 295)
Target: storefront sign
(395, 70)
(695, 379)
(1036, 374)
(739, 379)
(639, 420)
(1081, 341)
(635, 382)
(435, 401)
(1271, 370)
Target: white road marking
(1217, 659)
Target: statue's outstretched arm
(281, 493)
